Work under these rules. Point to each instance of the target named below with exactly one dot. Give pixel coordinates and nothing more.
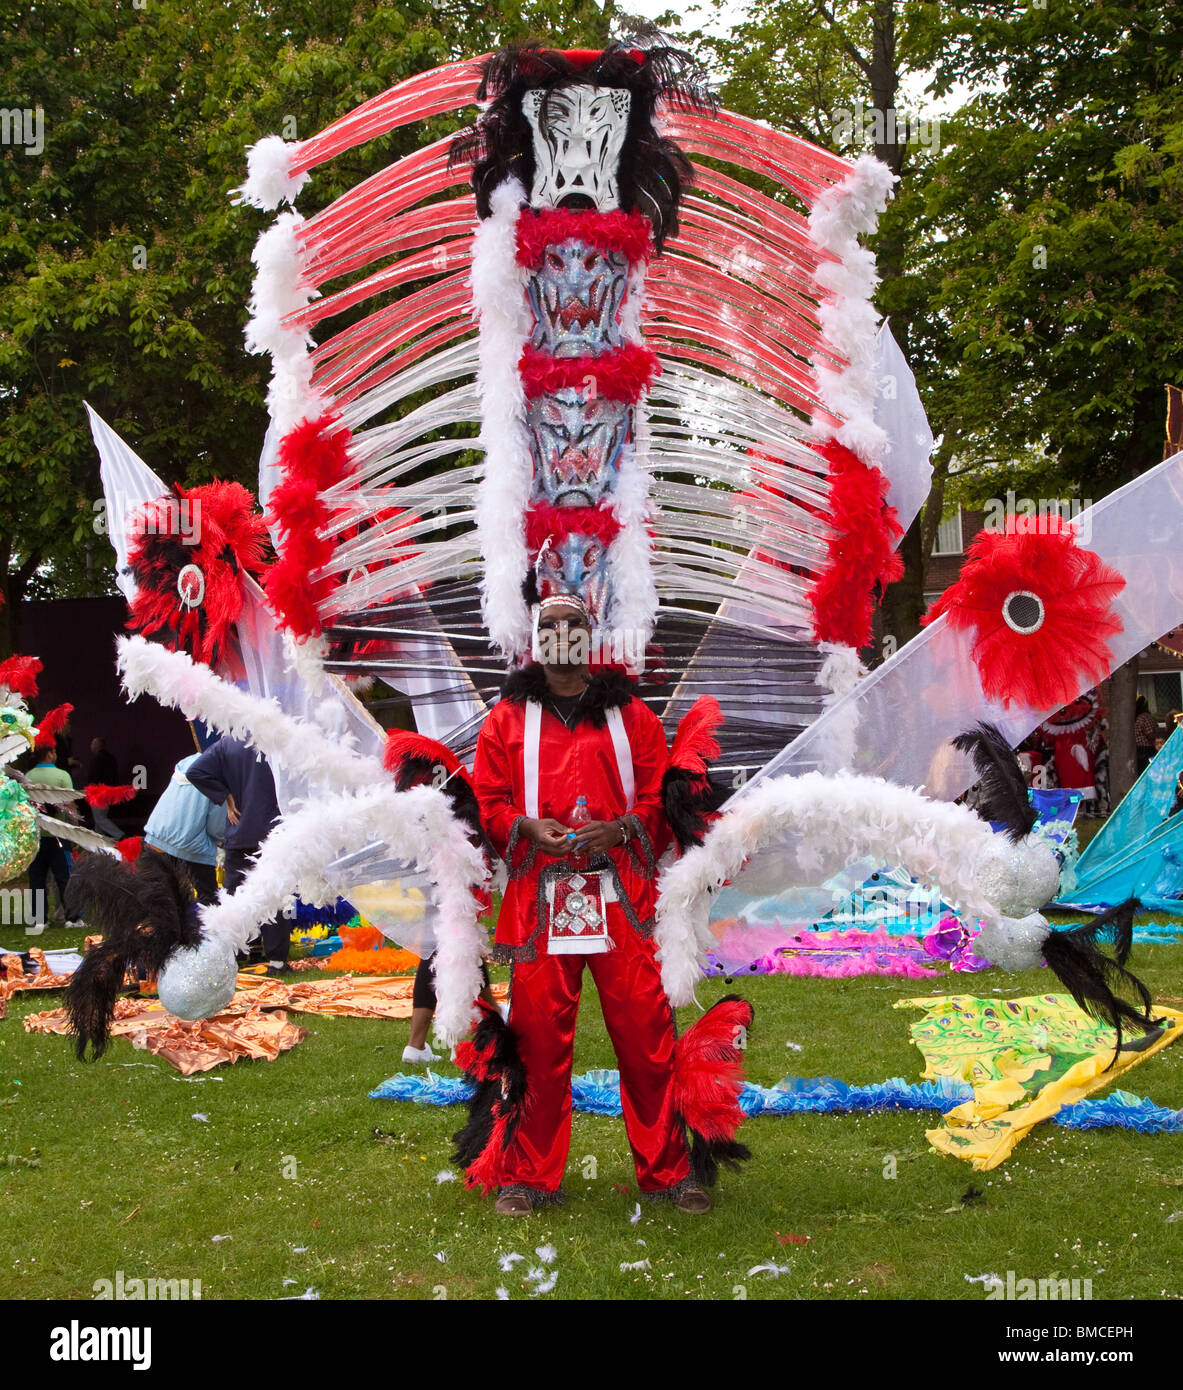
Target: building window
(949, 535)
(1163, 691)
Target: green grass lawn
(104, 1168)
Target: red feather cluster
(695, 744)
(1041, 652)
(99, 795)
(624, 374)
(51, 724)
(213, 529)
(312, 457)
(19, 674)
(401, 745)
(130, 848)
(627, 232)
(861, 553)
(557, 523)
(708, 1070)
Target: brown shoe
(513, 1204)
(693, 1199)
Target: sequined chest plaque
(577, 920)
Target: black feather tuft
(1118, 925)
(1097, 982)
(144, 911)
(607, 689)
(1002, 788)
(707, 1154)
(688, 799)
(530, 588)
(500, 1088)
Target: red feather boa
(630, 233)
(623, 375)
(19, 674)
(557, 523)
(312, 457)
(50, 725)
(1050, 666)
(130, 848)
(708, 1070)
(861, 553)
(99, 795)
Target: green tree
(125, 269)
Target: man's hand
(597, 836)
(231, 810)
(547, 834)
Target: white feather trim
(632, 609)
(299, 748)
(417, 827)
(848, 318)
(851, 816)
(280, 289)
(269, 180)
(499, 299)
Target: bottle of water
(578, 818)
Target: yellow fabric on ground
(1025, 1059)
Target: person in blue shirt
(237, 777)
(186, 825)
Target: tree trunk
(903, 603)
(1123, 692)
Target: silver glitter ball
(1014, 943)
(198, 981)
(1018, 878)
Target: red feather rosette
(1040, 607)
(189, 551)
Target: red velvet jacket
(579, 761)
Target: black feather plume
(707, 1154)
(1001, 785)
(688, 799)
(144, 912)
(1097, 982)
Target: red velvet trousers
(544, 1003)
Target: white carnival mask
(577, 148)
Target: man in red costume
(575, 898)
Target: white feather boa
(280, 289)
(848, 317)
(269, 177)
(297, 746)
(419, 828)
(632, 610)
(857, 816)
(355, 803)
(499, 299)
